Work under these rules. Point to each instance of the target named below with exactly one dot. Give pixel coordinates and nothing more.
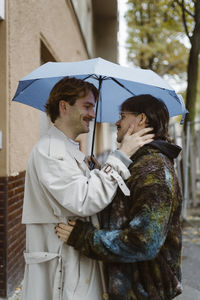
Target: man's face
(125, 121)
(81, 113)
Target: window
(45, 56)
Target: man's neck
(65, 130)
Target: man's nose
(92, 113)
(117, 123)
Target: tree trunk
(192, 71)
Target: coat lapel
(60, 144)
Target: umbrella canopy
(116, 84)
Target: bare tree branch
(182, 5)
(184, 21)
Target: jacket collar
(60, 144)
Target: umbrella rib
(22, 90)
(88, 76)
(119, 83)
(96, 77)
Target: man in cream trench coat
(59, 186)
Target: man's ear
(63, 107)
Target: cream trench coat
(60, 186)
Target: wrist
(79, 233)
(124, 152)
(122, 156)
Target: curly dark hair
(155, 110)
(68, 89)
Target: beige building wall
(84, 12)
(3, 97)
(28, 23)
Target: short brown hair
(68, 89)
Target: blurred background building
(32, 33)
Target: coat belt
(41, 257)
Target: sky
(122, 33)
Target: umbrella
(115, 83)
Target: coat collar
(60, 144)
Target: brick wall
(12, 233)
(3, 237)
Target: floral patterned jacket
(140, 236)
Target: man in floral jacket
(140, 236)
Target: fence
(188, 163)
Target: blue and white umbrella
(116, 83)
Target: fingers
(93, 159)
(143, 140)
(95, 162)
(89, 159)
(63, 231)
(140, 132)
(72, 223)
(146, 141)
(68, 227)
(148, 137)
(130, 130)
(133, 141)
(62, 225)
(144, 131)
(63, 237)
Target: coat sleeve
(145, 233)
(64, 181)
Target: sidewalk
(190, 262)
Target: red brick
(3, 195)
(12, 232)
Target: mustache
(88, 118)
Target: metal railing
(188, 163)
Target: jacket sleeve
(144, 234)
(65, 182)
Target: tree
(191, 21)
(155, 33)
(154, 37)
